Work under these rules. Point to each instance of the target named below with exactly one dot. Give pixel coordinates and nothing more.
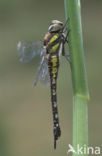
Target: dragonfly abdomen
(53, 65)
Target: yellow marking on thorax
(55, 47)
(53, 38)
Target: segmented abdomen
(53, 65)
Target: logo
(84, 149)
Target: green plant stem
(79, 80)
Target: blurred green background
(25, 112)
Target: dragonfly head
(55, 26)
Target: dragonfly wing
(45, 78)
(43, 72)
(28, 50)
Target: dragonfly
(49, 50)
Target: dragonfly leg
(64, 54)
(67, 58)
(66, 37)
(65, 26)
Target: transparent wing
(28, 50)
(43, 73)
(45, 78)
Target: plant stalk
(79, 80)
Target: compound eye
(51, 27)
(61, 24)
